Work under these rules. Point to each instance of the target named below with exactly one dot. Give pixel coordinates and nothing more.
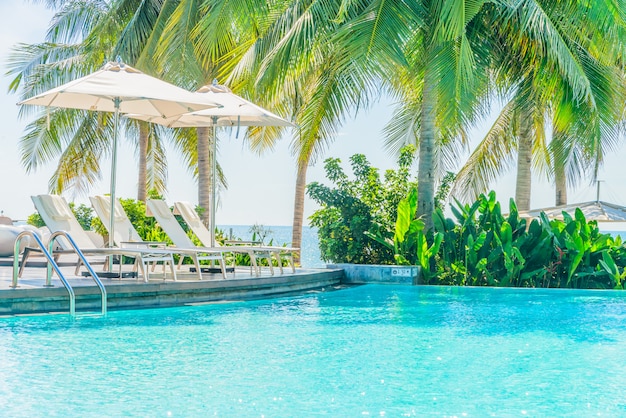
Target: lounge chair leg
(171, 262)
(279, 261)
(77, 270)
(145, 271)
(253, 263)
(196, 262)
(136, 268)
(25, 256)
(223, 266)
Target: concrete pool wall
(131, 294)
(31, 297)
(371, 273)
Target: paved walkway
(35, 277)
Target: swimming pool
(364, 351)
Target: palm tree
(440, 87)
(582, 103)
(321, 60)
(353, 47)
(217, 39)
(80, 37)
(495, 45)
(300, 70)
(196, 35)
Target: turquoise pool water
(367, 351)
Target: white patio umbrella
(235, 111)
(120, 88)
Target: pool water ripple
(363, 351)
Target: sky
(261, 188)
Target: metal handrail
(53, 265)
(103, 291)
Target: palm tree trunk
(204, 172)
(142, 181)
(524, 160)
(558, 156)
(560, 185)
(298, 208)
(426, 167)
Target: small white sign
(401, 272)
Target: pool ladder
(47, 252)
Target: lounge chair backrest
(124, 229)
(190, 216)
(58, 216)
(168, 223)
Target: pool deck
(33, 297)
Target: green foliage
(357, 216)
(35, 220)
(483, 247)
(146, 226)
(409, 240)
(83, 213)
(444, 190)
(84, 216)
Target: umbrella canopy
(234, 111)
(593, 211)
(120, 88)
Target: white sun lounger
(124, 228)
(58, 216)
(197, 227)
(163, 215)
(191, 217)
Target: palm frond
(493, 156)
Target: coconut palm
(299, 70)
(80, 38)
(352, 48)
(582, 105)
(223, 40)
(173, 44)
(517, 37)
(320, 60)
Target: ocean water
(384, 351)
(279, 235)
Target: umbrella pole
(116, 119)
(213, 181)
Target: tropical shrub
(35, 220)
(146, 226)
(354, 210)
(408, 241)
(482, 247)
(83, 213)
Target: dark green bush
(84, 216)
(482, 247)
(354, 209)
